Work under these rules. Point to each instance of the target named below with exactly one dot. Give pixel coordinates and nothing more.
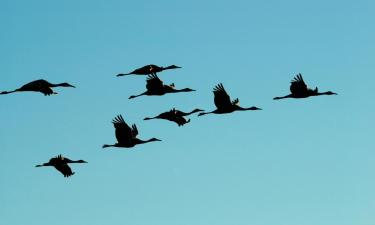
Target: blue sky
(297, 162)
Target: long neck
(44, 164)
(139, 141)
(106, 146)
(56, 85)
(168, 68)
(8, 92)
(324, 93)
(286, 96)
(205, 113)
(135, 96)
(189, 113)
(150, 118)
(245, 109)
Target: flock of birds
(127, 136)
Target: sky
(296, 162)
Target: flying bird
(42, 86)
(155, 86)
(299, 89)
(149, 69)
(126, 136)
(224, 104)
(61, 164)
(174, 115)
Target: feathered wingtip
(297, 78)
(219, 87)
(118, 119)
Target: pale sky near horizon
(296, 162)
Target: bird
(41, 85)
(223, 103)
(149, 69)
(61, 164)
(174, 115)
(126, 136)
(299, 89)
(155, 86)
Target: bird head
(197, 110)
(81, 161)
(330, 93)
(187, 89)
(154, 139)
(66, 85)
(173, 67)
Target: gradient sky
(297, 162)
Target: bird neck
(139, 141)
(286, 96)
(245, 109)
(8, 92)
(205, 113)
(106, 146)
(150, 118)
(135, 96)
(323, 93)
(167, 68)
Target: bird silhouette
(126, 136)
(149, 69)
(155, 86)
(61, 164)
(174, 115)
(223, 103)
(299, 89)
(42, 86)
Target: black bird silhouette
(126, 136)
(42, 86)
(174, 115)
(155, 86)
(61, 164)
(223, 103)
(149, 69)
(298, 89)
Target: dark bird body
(126, 136)
(299, 89)
(174, 115)
(61, 164)
(224, 104)
(149, 69)
(41, 86)
(155, 86)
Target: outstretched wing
(154, 83)
(298, 86)
(222, 99)
(123, 132)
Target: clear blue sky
(297, 162)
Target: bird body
(156, 87)
(224, 104)
(299, 89)
(126, 136)
(41, 86)
(174, 115)
(149, 69)
(61, 164)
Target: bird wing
(38, 85)
(298, 86)
(123, 131)
(134, 131)
(64, 169)
(59, 162)
(154, 83)
(222, 99)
